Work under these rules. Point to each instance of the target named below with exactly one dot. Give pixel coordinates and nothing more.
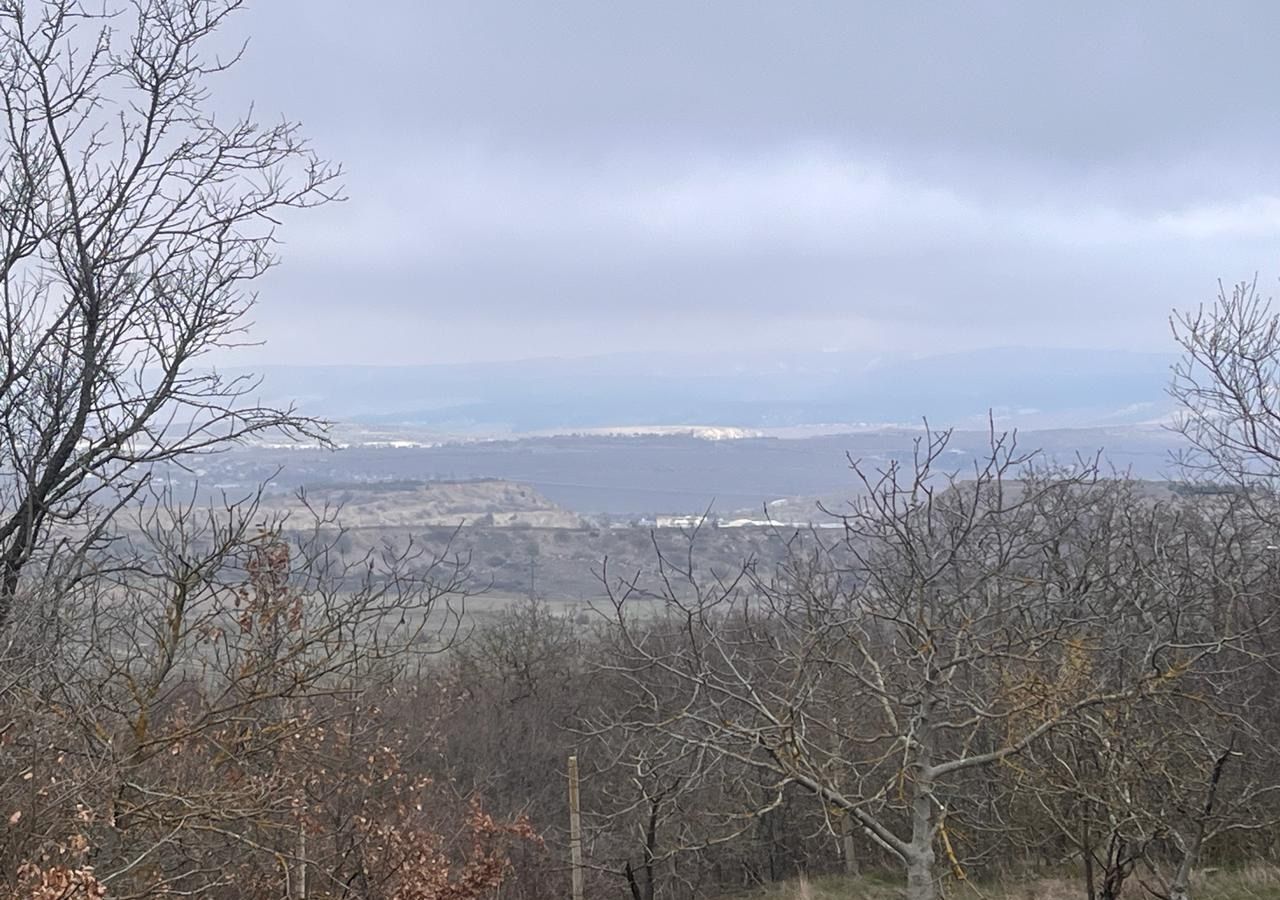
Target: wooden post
(302, 861)
(846, 841)
(575, 829)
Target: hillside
(1259, 882)
(395, 504)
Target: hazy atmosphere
(667, 451)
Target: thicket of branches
(1017, 667)
(193, 702)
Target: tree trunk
(1180, 889)
(920, 882)
(920, 860)
(1086, 853)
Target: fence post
(575, 829)
(846, 843)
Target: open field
(391, 504)
(566, 564)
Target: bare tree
(132, 222)
(225, 696)
(1225, 385)
(959, 622)
(1139, 791)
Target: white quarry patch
(702, 432)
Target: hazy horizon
(775, 395)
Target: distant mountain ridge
(1028, 387)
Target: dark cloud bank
(757, 181)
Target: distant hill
(827, 508)
(389, 504)
(663, 473)
(1029, 387)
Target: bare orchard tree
(1141, 791)
(1226, 386)
(956, 624)
(132, 222)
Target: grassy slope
(1255, 883)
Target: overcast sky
(572, 178)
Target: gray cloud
(531, 179)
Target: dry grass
(1258, 882)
